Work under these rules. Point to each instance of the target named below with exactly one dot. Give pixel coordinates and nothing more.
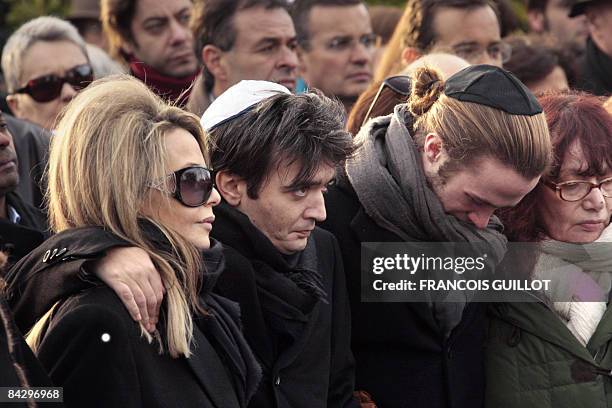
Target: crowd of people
(186, 188)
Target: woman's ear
(231, 187)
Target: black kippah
(494, 87)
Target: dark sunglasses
(400, 84)
(48, 87)
(191, 186)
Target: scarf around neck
(581, 276)
(289, 289)
(170, 88)
(389, 180)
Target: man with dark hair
(154, 39)
(596, 66)
(551, 17)
(242, 39)
(274, 160)
(336, 46)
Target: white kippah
(237, 100)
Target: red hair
(571, 116)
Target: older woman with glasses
(128, 168)
(45, 64)
(555, 351)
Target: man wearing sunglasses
(336, 46)
(45, 64)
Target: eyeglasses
(471, 52)
(191, 186)
(345, 43)
(577, 190)
(48, 87)
(400, 84)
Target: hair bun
(427, 85)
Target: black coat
(315, 370)
(595, 71)
(14, 351)
(401, 357)
(303, 347)
(32, 148)
(19, 239)
(94, 349)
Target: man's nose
(316, 209)
(287, 59)
(5, 139)
(179, 32)
(480, 218)
(362, 55)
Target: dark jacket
(401, 357)
(18, 239)
(534, 361)
(95, 351)
(303, 344)
(32, 148)
(18, 365)
(595, 71)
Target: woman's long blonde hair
(109, 145)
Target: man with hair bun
(434, 171)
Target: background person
(469, 29)
(551, 17)
(596, 66)
(85, 16)
(381, 97)
(154, 39)
(242, 40)
(558, 345)
(384, 19)
(336, 46)
(536, 65)
(45, 64)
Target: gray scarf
(388, 178)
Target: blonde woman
(126, 167)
